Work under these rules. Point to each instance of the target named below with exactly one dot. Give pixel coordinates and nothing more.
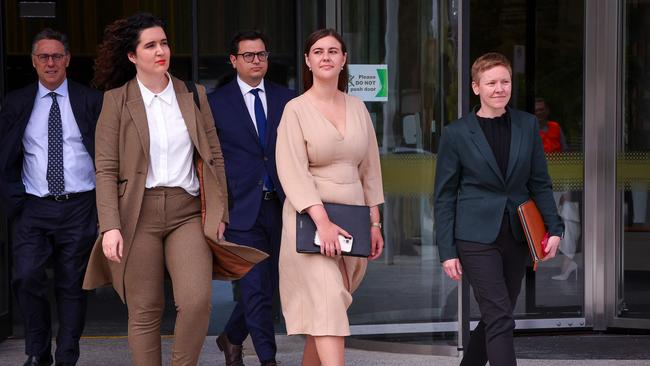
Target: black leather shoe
(38, 361)
(232, 352)
(64, 364)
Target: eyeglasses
(44, 57)
(250, 56)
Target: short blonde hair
(487, 62)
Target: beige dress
(317, 164)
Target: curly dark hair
(112, 66)
(307, 77)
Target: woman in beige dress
(326, 152)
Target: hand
(551, 247)
(221, 230)
(453, 269)
(376, 243)
(328, 233)
(112, 245)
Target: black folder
(351, 218)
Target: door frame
(609, 34)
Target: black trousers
(495, 272)
(63, 232)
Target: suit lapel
(135, 105)
(236, 99)
(272, 113)
(77, 107)
(478, 138)
(515, 141)
(30, 98)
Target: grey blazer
(471, 193)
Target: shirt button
(266, 158)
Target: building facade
(587, 60)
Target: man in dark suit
(47, 187)
(247, 112)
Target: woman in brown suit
(150, 145)
(326, 152)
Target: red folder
(534, 229)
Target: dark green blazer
(471, 193)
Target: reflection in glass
(545, 42)
(416, 40)
(633, 167)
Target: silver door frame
(608, 60)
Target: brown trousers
(169, 234)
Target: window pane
(634, 165)
(416, 40)
(544, 41)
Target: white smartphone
(345, 243)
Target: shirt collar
(62, 90)
(167, 95)
(245, 88)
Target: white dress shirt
(78, 168)
(249, 98)
(171, 151)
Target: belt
(65, 197)
(270, 195)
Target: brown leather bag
(534, 229)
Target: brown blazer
(122, 160)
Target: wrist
(321, 224)
(376, 224)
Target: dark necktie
(55, 180)
(260, 120)
(260, 117)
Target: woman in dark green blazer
(489, 162)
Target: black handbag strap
(192, 87)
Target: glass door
(633, 170)
(544, 40)
(405, 301)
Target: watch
(376, 224)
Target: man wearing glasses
(47, 189)
(247, 112)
